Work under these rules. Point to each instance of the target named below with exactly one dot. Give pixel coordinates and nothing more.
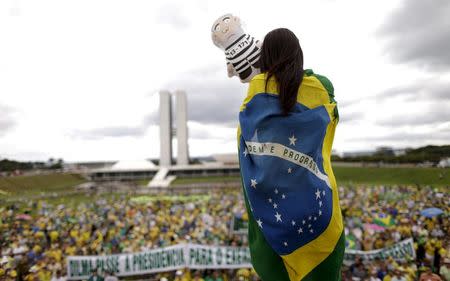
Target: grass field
(56, 185)
(363, 175)
(368, 175)
(37, 184)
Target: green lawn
(36, 184)
(55, 185)
(422, 176)
(362, 175)
(142, 182)
(78, 198)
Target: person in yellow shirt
(243, 274)
(74, 233)
(85, 235)
(39, 235)
(10, 275)
(388, 277)
(57, 254)
(53, 236)
(70, 250)
(44, 274)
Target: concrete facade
(180, 171)
(182, 130)
(165, 128)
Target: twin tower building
(167, 130)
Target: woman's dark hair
(282, 57)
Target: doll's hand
(231, 71)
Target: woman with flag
(286, 130)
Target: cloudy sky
(79, 79)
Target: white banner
(207, 257)
(159, 260)
(400, 251)
(201, 257)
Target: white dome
(133, 165)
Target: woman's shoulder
(315, 90)
(320, 82)
(255, 86)
(258, 77)
(258, 82)
(311, 82)
(258, 85)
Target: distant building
(167, 130)
(182, 129)
(87, 166)
(380, 151)
(384, 151)
(183, 171)
(355, 154)
(444, 163)
(400, 152)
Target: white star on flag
(315, 218)
(283, 196)
(289, 170)
(276, 191)
(245, 152)
(270, 200)
(303, 221)
(300, 230)
(292, 140)
(311, 230)
(275, 205)
(309, 225)
(317, 194)
(259, 223)
(323, 192)
(309, 218)
(320, 203)
(293, 222)
(278, 216)
(320, 212)
(254, 183)
(285, 243)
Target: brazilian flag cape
(295, 222)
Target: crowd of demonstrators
(396, 213)
(36, 247)
(36, 238)
(243, 274)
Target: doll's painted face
(225, 30)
